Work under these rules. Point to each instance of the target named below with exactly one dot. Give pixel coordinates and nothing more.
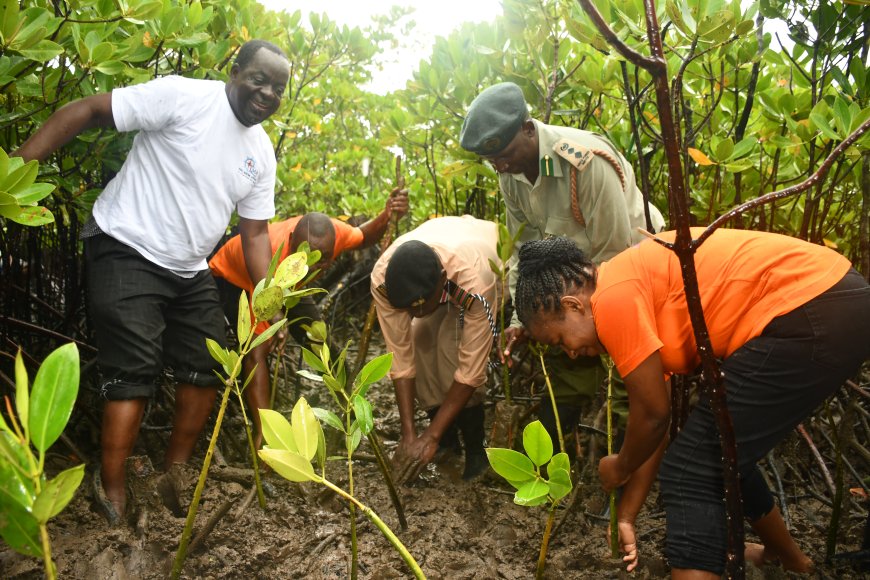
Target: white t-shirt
(191, 165)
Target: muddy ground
(456, 529)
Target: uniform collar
(546, 139)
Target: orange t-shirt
(229, 262)
(746, 280)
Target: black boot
(450, 439)
(470, 423)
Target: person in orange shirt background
(331, 237)
(790, 322)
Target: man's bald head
(315, 228)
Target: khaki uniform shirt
(465, 246)
(611, 213)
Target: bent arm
(455, 400)
(66, 123)
(648, 417)
(406, 392)
(256, 247)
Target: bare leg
(778, 544)
(121, 421)
(193, 405)
(257, 391)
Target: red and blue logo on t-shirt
(249, 169)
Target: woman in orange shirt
(790, 322)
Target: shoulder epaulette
(575, 154)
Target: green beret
(412, 274)
(493, 119)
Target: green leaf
(291, 270)
(362, 410)
(110, 67)
(739, 165)
(33, 216)
(373, 371)
(55, 389)
(316, 331)
(15, 486)
(9, 210)
(268, 302)
(511, 465)
(57, 493)
(216, 351)
(277, 431)
(716, 27)
(145, 10)
(743, 27)
(746, 145)
(843, 116)
(313, 361)
(324, 354)
(532, 493)
(101, 52)
(724, 149)
(333, 383)
(20, 529)
(819, 118)
(288, 464)
(43, 51)
(353, 440)
(268, 333)
(560, 461)
(560, 483)
(33, 193)
(194, 13)
(537, 443)
(305, 427)
(243, 322)
(267, 281)
(20, 178)
(328, 417)
(22, 394)
(8, 18)
(310, 376)
(4, 158)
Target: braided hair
(548, 269)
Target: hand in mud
(513, 337)
(412, 456)
(609, 473)
(397, 203)
(627, 543)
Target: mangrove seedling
(277, 290)
(292, 445)
(526, 474)
(28, 499)
(356, 410)
(507, 415)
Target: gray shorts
(146, 319)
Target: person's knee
(124, 390)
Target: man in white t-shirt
(199, 155)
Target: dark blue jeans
(773, 382)
(146, 318)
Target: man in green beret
(433, 288)
(558, 181)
